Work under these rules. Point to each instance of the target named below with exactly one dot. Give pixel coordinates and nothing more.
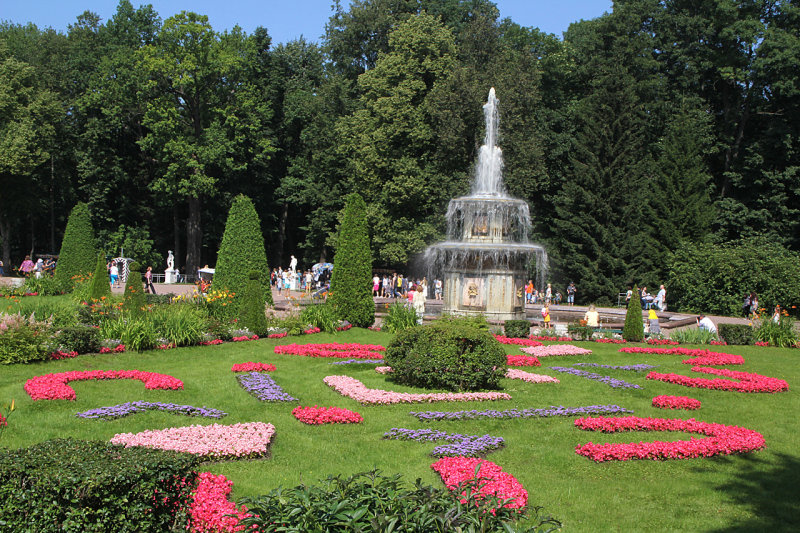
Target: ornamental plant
(241, 252)
(736, 333)
(78, 252)
(351, 290)
(23, 340)
(251, 308)
(133, 300)
(100, 285)
(633, 331)
(517, 328)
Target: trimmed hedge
(82, 339)
(134, 300)
(100, 280)
(633, 331)
(78, 252)
(518, 329)
(736, 333)
(448, 354)
(75, 485)
(251, 310)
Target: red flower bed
(521, 342)
(167, 346)
(54, 386)
(3, 421)
(748, 382)
(311, 331)
(610, 341)
(244, 338)
(661, 342)
(335, 349)
(546, 338)
(763, 344)
(58, 354)
(492, 480)
(277, 335)
(700, 357)
(676, 402)
(253, 367)
(326, 415)
(210, 508)
(119, 348)
(723, 440)
(523, 360)
(211, 343)
(345, 327)
(718, 343)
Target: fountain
(484, 261)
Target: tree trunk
(176, 232)
(5, 242)
(194, 236)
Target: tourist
(661, 298)
(652, 317)
(437, 288)
(2, 272)
(628, 296)
(398, 288)
(776, 315)
(546, 315)
(592, 317)
(26, 267)
(571, 290)
(418, 302)
(535, 296)
(548, 294)
(746, 305)
(529, 292)
(753, 303)
(424, 284)
(148, 281)
(703, 322)
(376, 286)
(113, 274)
(38, 268)
(557, 298)
(49, 266)
(309, 281)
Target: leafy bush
(24, 340)
(581, 332)
(369, 501)
(478, 321)
(736, 333)
(251, 308)
(351, 281)
(633, 331)
(158, 299)
(133, 300)
(693, 336)
(181, 324)
(74, 485)
(100, 282)
(78, 253)
(399, 318)
(519, 329)
(451, 354)
(44, 286)
(138, 333)
(781, 333)
(60, 312)
(321, 315)
(82, 339)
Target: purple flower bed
(263, 387)
(608, 380)
(635, 368)
(522, 413)
(129, 408)
(360, 361)
(463, 445)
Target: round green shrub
(451, 355)
(77, 255)
(251, 309)
(633, 331)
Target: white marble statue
(170, 261)
(293, 264)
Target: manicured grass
(731, 493)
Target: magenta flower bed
(210, 508)
(555, 350)
(522, 360)
(513, 373)
(326, 415)
(58, 354)
(245, 338)
(250, 366)
(54, 386)
(722, 439)
(335, 349)
(748, 382)
(676, 402)
(513, 340)
(119, 348)
(700, 357)
(492, 480)
(354, 389)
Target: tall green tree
(78, 253)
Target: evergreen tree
(77, 249)
(242, 251)
(251, 310)
(134, 301)
(100, 284)
(633, 331)
(351, 290)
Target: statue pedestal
(170, 276)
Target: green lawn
(733, 493)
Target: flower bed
(383, 369)
(247, 440)
(718, 343)
(634, 368)
(748, 382)
(463, 445)
(129, 408)
(58, 354)
(326, 415)
(521, 413)
(311, 331)
(358, 361)
(555, 350)
(699, 357)
(344, 327)
(608, 380)
(548, 338)
(609, 341)
(676, 402)
(250, 366)
(263, 387)
(502, 485)
(54, 386)
(723, 440)
(354, 389)
(662, 342)
(277, 335)
(245, 338)
(763, 344)
(211, 510)
(502, 339)
(522, 360)
(119, 348)
(335, 349)
(513, 373)
(211, 342)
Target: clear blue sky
(285, 19)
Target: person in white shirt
(703, 322)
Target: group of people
(28, 268)
(399, 286)
(549, 295)
(649, 301)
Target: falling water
(489, 171)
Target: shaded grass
(735, 493)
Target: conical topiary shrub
(634, 325)
(241, 252)
(100, 282)
(78, 253)
(134, 301)
(251, 309)
(351, 282)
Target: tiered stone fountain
(485, 260)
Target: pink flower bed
(167, 346)
(555, 350)
(335, 349)
(58, 354)
(311, 331)
(354, 389)
(326, 415)
(513, 373)
(345, 327)
(723, 440)
(210, 508)
(522, 360)
(217, 441)
(662, 342)
(610, 341)
(676, 402)
(244, 338)
(547, 338)
(748, 382)
(718, 343)
(211, 343)
(699, 357)
(520, 342)
(253, 367)
(492, 480)
(383, 369)
(277, 335)
(763, 344)
(119, 348)
(54, 386)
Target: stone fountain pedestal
(498, 294)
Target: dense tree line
(662, 123)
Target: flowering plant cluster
(723, 440)
(521, 413)
(547, 338)
(243, 338)
(718, 343)
(383, 369)
(608, 380)
(699, 357)
(609, 341)
(502, 485)
(555, 350)
(353, 388)
(374, 328)
(463, 445)
(253, 367)
(344, 325)
(54, 386)
(358, 361)
(634, 368)
(167, 346)
(513, 373)
(277, 335)
(334, 349)
(326, 415)
(522, 360)
(263, 387)
(59, 354)
(119, 348)
(513, 340)
(748, 382)
(211, 342)
(211, 510)
(763, 344)
(217, 441)
(129, 408)
(676, 402)
(311, 331)
(661, 342)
